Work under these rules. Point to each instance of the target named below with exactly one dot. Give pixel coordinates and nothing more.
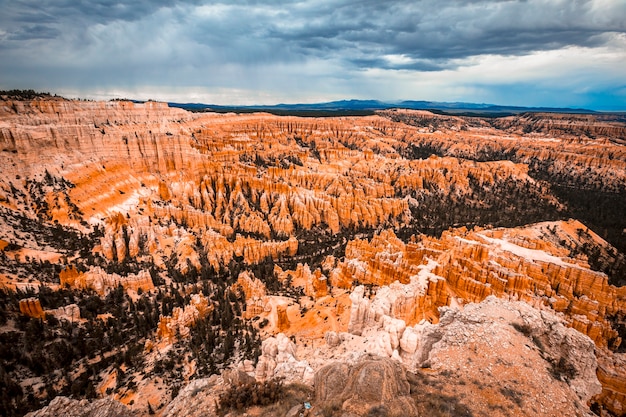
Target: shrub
(377, 411)
(563, 370)
(332, 408)
(513, 395)
(246, 395)
(524, 328)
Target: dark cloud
(241, 42)
(421, 65)
(445, 30)
(83, 11)
(29, 32)
(425, 31)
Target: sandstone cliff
(31, 307)
(467, 266)
(98, 280)
(148, 161)
(583, 151)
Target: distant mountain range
(360, 107)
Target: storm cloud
(553, 52)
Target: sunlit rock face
(31, 307)
(100, 281)
(275, 245)
(585, 151)
(255, 174)
(182, 319)
(529, 264)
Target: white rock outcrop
(278, 359)
(199, 398)
(494, 322)
(63, 406)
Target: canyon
(152, 259)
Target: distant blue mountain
(369, 106)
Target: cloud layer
(528, 52)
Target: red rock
(31, 307)
(101, 282)
(179, 323)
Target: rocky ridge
(62, 406)
(492, 356)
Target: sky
(560, 53)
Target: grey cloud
(432, 33)
(99, 11)
(49, 19)
(33, 16)
(417, 65)
(251, 43)
(444, 30)
(34, 32)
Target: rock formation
(375, 383)
(98, 280)
(463, 266)
(63, 406)
(314, 284)
(197, 399)
(562, 125)
(522, 357)
(142, 156)
(178, 324)
(70, 312)
(31, 307)
(613, 379)
(529, 264)
(254, 292)
(278, 359)
(584, 148)
(496, 358)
